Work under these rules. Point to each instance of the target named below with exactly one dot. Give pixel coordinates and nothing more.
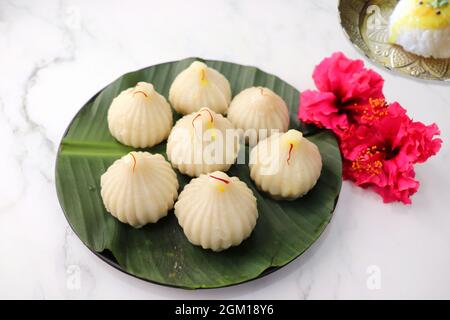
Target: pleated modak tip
(285, 165)
(199, 86)
(202, 142)
(216, 211)
(258, 112)
(139, 188)
(140, 117)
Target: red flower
(343, 85)
(403, 187)
(381, 155)
(379, 143)
(423, 146)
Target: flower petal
(320, 109)
(347, 79)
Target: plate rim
(113, 263)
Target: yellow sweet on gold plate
(410, 37)
(422, 27)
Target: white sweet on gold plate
(139, 188)
(140, 116)
(258, 111)
(202, 142)
(216, 211)
(199, 86)
(285, 165)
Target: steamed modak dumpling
(140, 116)
(202, 142)
(199, 86)
(139, 188)
(258, 111)
(286, 165)
(216, 211)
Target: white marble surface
(54, 55)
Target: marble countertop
(54, 55)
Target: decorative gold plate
(366, 24)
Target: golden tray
(365, 22)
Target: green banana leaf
(160, 252)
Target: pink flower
(379, 143)
(422, 145)
(381, 156)
(342, 84)
(402, 189)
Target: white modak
(202, 142)
(258, 111)
(285, 165)
(139, 188)
(198, 87)
(216, 211)
(140, 117)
